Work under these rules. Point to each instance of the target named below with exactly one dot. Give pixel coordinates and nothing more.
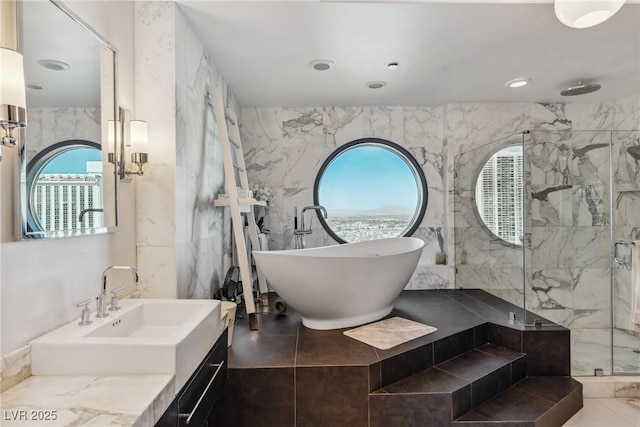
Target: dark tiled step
(533, 402)
(417, 355)
(435, 396)
(488, 369)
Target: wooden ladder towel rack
(241, 205)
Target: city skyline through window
(370, 191)
(499, 194)
(69, 183)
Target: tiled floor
(607, 412)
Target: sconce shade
(112, 128)
(12, 89)
(586, 13)
(139, 134)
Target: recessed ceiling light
(34, 86)
(519, 82)
(393, 65)
(55, 65)
(376, 85)
(321, 64)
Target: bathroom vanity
(154, 362)
(193, 403)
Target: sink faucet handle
(86, 313)
(114, 299)
(102, 305)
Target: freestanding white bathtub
(345, 285)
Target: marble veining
(285, 148)
(118, 400)
(389, 333)
(566, 251)
(48, 126)
(15, 367)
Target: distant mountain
(389, 210)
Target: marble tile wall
(203, 245)
(184, 244)
(285, 147)
(48, 126)
(567, 237)
(156, 190)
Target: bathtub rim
(420, 244)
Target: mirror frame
(23, 232)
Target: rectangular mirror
(67, 184)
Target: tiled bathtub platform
(285, 374)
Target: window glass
(65, 188)
(499, 194)
(372, 189)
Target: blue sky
(367, 177)
(73, 161)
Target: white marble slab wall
(626, 217)
(203, 234)
(285, 147)
(156, 191)
(48, 126)
(567, 239)
(474, 133)
(183, 241)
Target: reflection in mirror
(67, 185)
(499, 196)
(372, 189)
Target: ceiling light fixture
(393, 65)
(586, 13)
(321, 64)
(54, 65)
(376, 84)
(519, 82)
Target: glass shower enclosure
(569, 197)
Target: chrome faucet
(83, 212)
(316, 208)
(300, 233)
(102, 298)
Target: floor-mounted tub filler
(344, 285)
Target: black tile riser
(328, 376)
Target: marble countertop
(87, 400)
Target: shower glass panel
(626, 229)
(488, 212)
(568, 240)
(580, 196)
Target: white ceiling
(447, 52)
(47, 33)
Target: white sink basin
(146, 336)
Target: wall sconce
(139, 137)
(136, 136)
(13, 114)
(586, 13)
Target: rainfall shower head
(580, 89)
(634, 150)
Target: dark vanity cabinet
(194, 402)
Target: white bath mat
(389, 333)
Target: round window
(499, 194)
(372, 189)
(64, 187)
